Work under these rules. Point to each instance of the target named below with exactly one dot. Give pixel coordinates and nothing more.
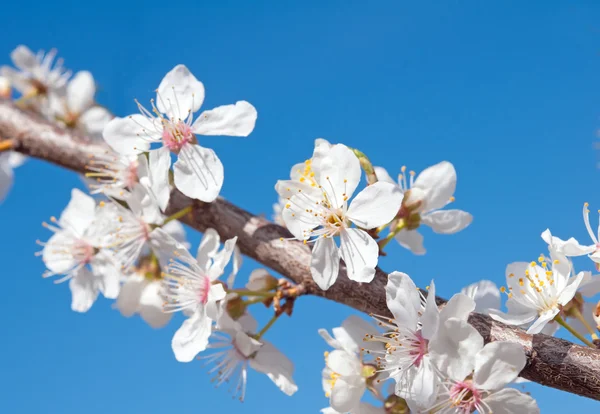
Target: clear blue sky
(508, 92)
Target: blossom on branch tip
(198, 172)
(423, 203)
(323, 213)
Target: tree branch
(551, 361)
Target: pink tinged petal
(80, 92)
(439, 184)
(159, 163)
(447, 221)
(57, 254)
(498, 364)
(360, 253)
(376, 205)
(151, 306)
(269, 360)
(24, 59)
(192, 337)
(132, 135)
(453, 347)
(79, 213)
(538, 325)
(95, 119)
(234, 120)
(221, 259)
(338, 173)
(346, 394)
(511, 401)
(209, 245)
(83, 290)
(129, 297)
(383, 176)
(179, 93)
(569, 291)
(403, 299)
(325, 262)
(411, 240)
(198, 173)
(431, 315)
(486, 295)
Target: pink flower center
(131, 174)
(465, 397)
(83, 252)
(419, 348)
(176, 135)
(203, 290)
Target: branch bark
(550, 361)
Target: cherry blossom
(9, 160)
(485, 294)
(424, 199)
(320, 215)
(198, 172)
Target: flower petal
(157, 180)
(269, 360)
(411, 240)
(95, 119)
(6, 176)
(107, 273)
(459, 306)
(383, 176)
(498, 364)
(590, 285)
(511, 401)
(80, 92)
(198, 173)
(346, 394)
(439, 184)
(179, 93)
(151, 306)
(338, 173)
(192, 337)
(569, 291)
(376, 205)
(57, 255)
(431, 315)
(486, 295)
(344, 363)
(538, 325)
(350, 335)
(24, 59)
(131, 135)
(447, 221)
(234, 120)
(129, 296)
(83, 290)
(403, 300)
(517, 319)
(79, 213)
(208, 248)
(221, 259)
(360, 253)
(325, 262)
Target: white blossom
(198, 172)
(485, 294)
(9, 160)
(323, 213)
(424, 199)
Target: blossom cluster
(123, 241)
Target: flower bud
(236, 307)
(261, 280)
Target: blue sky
(507, 92)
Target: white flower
(77, 107)
(190, 285)
(537, 292)
(236, 349)
(324, 213)
(571, 247)
(36, 77)
(419, 339)
(488, 370)
(142, 295)
(424, 199)
(198, 172)
(73, 251)
(486, 295)
(9, 160)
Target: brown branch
(551, 361)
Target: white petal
(107, 273)
(325, 262)
(179, 93)
(151, 306)
(447, 221)
(57, 254)
(80, 92)
(198, 173)
(360, 253)
(486, 295)
(376, 205)
(159, 162)
(346, 394)
(296, 218)
(79, 213)
(261, 279)
(234, 120)
(568, 292)
(192, 337)
(131, 135)
(338, 173)
(590, 285)
(349, 336)
(83, 290)
(439, 183)
(176, 230)
(511, 401)
(431, 315)
(453, 347)
(166, 247)
(207, 250)
(129, 296)
(344, 363)
(383, 176)
(16, 159)
(403, 299)
(459, 306)
(517, 319)
(6, 176)
(420, 384)
(24, 59)
(95, 119)
(498, 364)
(541, 321)
(411, 240)
(221, 259)
(269, 360)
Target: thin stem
(576, 334)
(383, 242)
(6, 145)
(243, 292)
(585, 323)
(366, 165)
(267, 326)
(178, 215)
